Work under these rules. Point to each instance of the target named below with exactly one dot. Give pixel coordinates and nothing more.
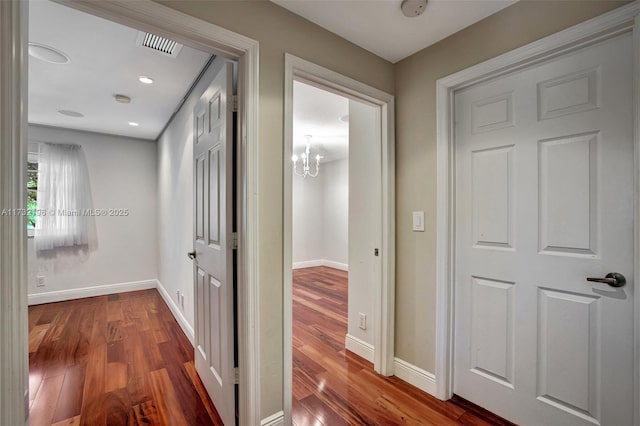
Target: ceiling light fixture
(48, 54)
(146, 80)
(69, 113)
(123, 99)
(413, 8)
(133, 124)
(306, 158)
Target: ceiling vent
(160, 44)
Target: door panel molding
(606, 26)
(384, 288)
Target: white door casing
(213, 243)
(14, 363)
(612, 24)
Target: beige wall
(280, 31)
(416, 76)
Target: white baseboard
(359, 347)
(416, 376)
(80, 293)
(276, 419)
(307, 264)
(177, 313)
(320, 262)
(336, 265)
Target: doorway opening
(338, 231)
(110, 105)
(320, 236)
(336, 240)
(104, 168)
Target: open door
(214, 243)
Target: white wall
(175, 202)
(122, 173)
(364, 215)
(321, 217)
(336, 211)
(308, 220)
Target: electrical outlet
(40, 281)
(362, 323)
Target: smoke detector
(413, 8)
(158, 43)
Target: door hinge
(236, 376)
(234, 241)
(376, 252)
(235, 103)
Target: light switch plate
(418, 221)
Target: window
(32, 194)
(64, 215)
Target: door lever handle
(614, 279)
(192, 255)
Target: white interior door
(365, 221)
(213, 245)
(544, 199)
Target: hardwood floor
(332, 386)
(123, 360)
(113, 360)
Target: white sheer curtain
(64, 198)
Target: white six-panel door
(544, 199)
(214, 316)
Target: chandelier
(305, 160)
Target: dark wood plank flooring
(113, 360)
(332, 386)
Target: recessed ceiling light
(144, 79)
(133, 124)
(69, 113)
(47, 54)
(123, 99)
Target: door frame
(622, 20)
(299, 69)
(149, 16)
(14, 400)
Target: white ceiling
(380, 27)
(317, 112)
(105, 60)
